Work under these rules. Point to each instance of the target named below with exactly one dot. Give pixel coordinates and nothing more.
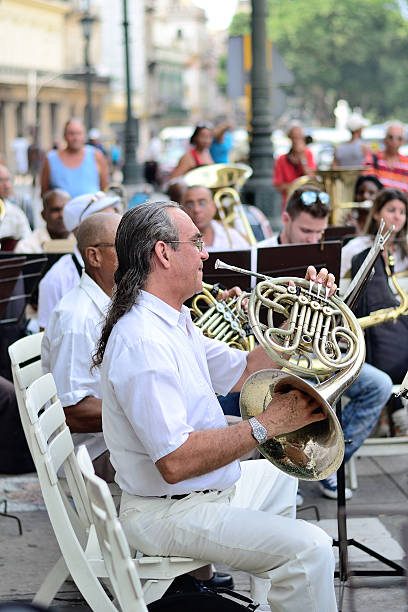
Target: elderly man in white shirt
(175, 458)
(14, 224)
(54, 229)
(198, 203)
(73, 330)
(65, 274)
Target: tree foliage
(240, 24)
(352, 49)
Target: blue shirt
(76, 181)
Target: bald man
(71, 334)
(390, 166)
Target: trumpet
(222, 320)
(317, 327)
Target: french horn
(319, 328)
(221, 319)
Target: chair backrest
(115, 549)
(52, 446)
(52, 449)
(25, 357)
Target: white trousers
(251, 527)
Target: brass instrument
(316, 325)
(222, 320)
(223, 180)
(391, 313)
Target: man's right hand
(290, 411)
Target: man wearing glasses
(176, 460)
(304, 221)
(389, 166)
(66, 272)
(72, 332)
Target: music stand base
(397, 570)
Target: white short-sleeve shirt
(67, 347)
(221, 241)
(15, 223)
(61, 278)
(159, 379)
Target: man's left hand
(324, 277)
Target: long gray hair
(139, 230)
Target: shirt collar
(161, 309)
(97, 295)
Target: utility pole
(258, 190)
(87, 22)
(131, 169)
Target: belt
(183, 495)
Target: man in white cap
(351, 154)
(65, 274)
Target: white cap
(356, 122)
(93, 134)
(79, 208)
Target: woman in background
(198, 154)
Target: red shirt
(286, 172)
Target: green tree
(352, 49)
(240, 24)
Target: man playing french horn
(184, 490)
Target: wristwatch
(258, 431)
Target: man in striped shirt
(389, 165)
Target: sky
(219, 12)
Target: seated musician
(71, 334)
(52, 213)
(175, 459)
(303, 221)
(387, 342)
(66, 273)
(14, 225)
(198, 203)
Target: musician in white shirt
(175, 458)
(199, 205)
(65, 274)
(72, 332)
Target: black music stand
(19, 275)
(293, 259)
(339, 232)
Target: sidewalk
(381, 500)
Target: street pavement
(380, 500)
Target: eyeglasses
(198, 242)
(394, 137)
(103, 244)
(308, 198)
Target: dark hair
(197, 130)
(295, 206)
(367, 177)
(386, 195)
(139, 230)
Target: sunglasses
(308, 198)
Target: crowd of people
(139, 382)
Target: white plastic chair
(26, 367)
(25, 357)
(112, 540)
(377, 447)
(52, 449)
